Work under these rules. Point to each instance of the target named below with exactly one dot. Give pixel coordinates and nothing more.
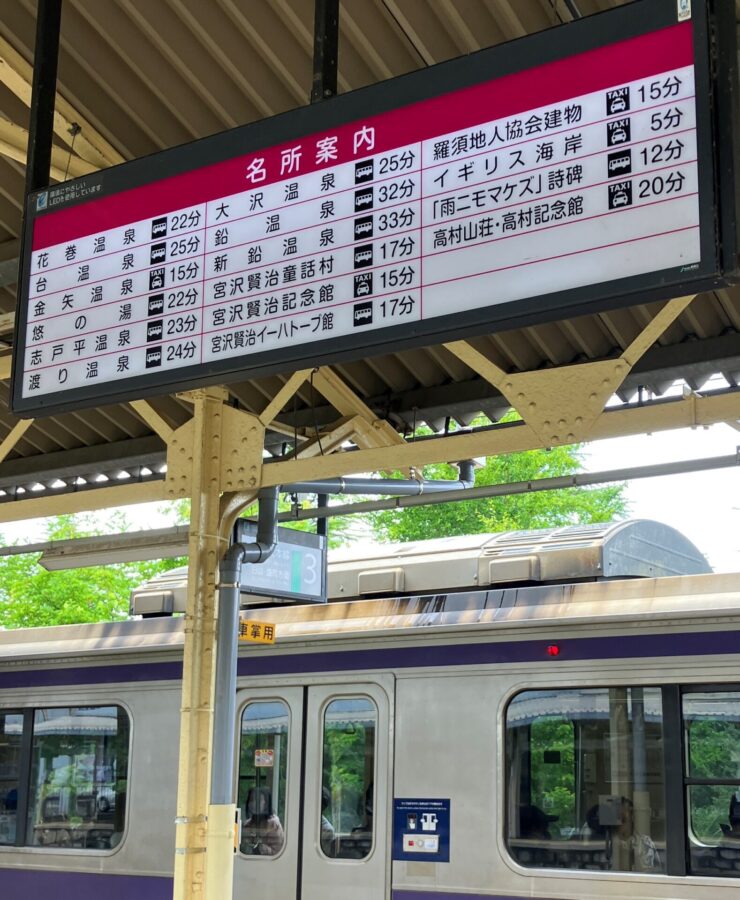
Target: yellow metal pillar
(196, 720)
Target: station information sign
(380, 219)
(295, 571)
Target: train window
(79, 770)
(348, 778)
(712, 744)
(585, 779)
(263, 769)
(11, 733)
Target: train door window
(263, 768)
(79, 770)
(712, 747)
(11, 734)
(585, 782)
(348, 778)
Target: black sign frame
(717, 128)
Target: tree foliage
(514, 512)
(30, 596)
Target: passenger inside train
(262, 834)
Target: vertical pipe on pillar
(325, 49)
(322, 525)
(196, 720)
(43, 93)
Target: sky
(704, 506)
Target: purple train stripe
(164, 671)
(464, 654)
(25, 884)
(439, 895)
(634, 646)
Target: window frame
(675, 770)
(28, 712)
(317, 825)
(687, 781)
(252, 701)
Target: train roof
(636, 548)
(648, 602)
(523, 600)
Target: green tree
(514, 512)
(30, 596)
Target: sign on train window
(79, 777)
(563, 173)
(348, 778)
(263, 768)
(585, 782)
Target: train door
(314, 791)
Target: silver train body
(491, 679)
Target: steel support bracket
(243, 437)
(561, 405)
(241, 458)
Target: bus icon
(363, 227)
(363, 199)
(159, 227)
(153, 357)
(158, 253)
(364, 171)
(363, 256)
(619, 163)
(362, 314)
(154, 331)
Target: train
(542, 714)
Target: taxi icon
(620, 198)
(617, 105)
(619, 135)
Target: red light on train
(553, 650)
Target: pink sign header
(551, 83)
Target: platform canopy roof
(139, 76)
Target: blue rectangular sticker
(421, 830)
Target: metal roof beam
(7, 320)
(10, 252)
(662, 364)
(283, 395)
(14, 145)
(687, 412)
(72, 128)
(63, 464)
(346, 402)
(16, 433)
(153, 419)
(85, 500)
